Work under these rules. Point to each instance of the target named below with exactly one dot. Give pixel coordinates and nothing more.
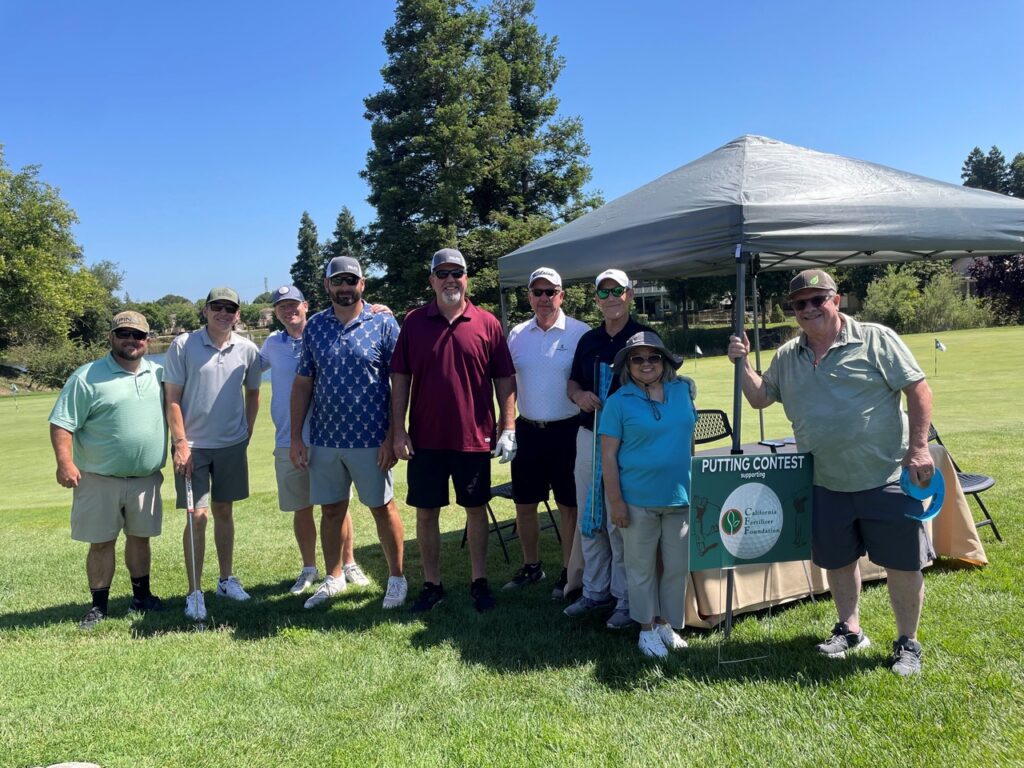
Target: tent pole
(504, 311)
(755, 266)
(739, 317)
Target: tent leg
(755, 266)
(504, 310)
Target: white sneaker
(669, 637)
(328, 588)
(398, 589)
(651, 644)
(306, 579)
(195, 606)
(231, 587)
(354, 575)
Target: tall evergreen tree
(467, 151)
(308, 269)
(347, 239)
(985, 171)
(1015, 176)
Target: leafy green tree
(1015, 176)
(266, 297)
(892, 299)
(250, 313)
(172, 298)
(308, 270)
(854, 281)
(44, 284)
(183, 316)
(943, 306)
(100, 302)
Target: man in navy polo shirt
(343, 371)
(450, 360)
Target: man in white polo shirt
(542, 351)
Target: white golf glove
(506, 446)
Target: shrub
(50, 365)
(777, 316)
(894, 300)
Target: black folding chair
(711, 425)
(971, 484)
(506, 531)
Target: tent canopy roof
(796, 207)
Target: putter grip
(189, 501)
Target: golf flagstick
(190, 510)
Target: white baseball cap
(612, 274)
(545, 273)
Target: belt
(546, 424)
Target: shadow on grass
(527, 630)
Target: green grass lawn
(273, 684)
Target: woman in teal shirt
(646, 430)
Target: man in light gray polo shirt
(840, 382)
(210, 423)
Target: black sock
(100, 597)
(140, 587)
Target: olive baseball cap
(129, 319)
(223, 293)
(812, 278)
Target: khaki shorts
(225, 469)
(292, 483)
(102, 506)
(332, 471)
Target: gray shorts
(292, 483)
(332, 471)
(845, 526)
(225, 469)
(101, 506)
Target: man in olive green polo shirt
(110, 441)
(840, 383)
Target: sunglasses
(650, 359)
(604, 293)
(814, 301)
(218, 306)
(130, 333)
(549, 292)
(344, 280)
(442, 274)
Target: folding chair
(971, 484)
(506, 531)
(711, 425)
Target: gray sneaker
(906, 657)
(619, 619)
(842, 642)
(585, 605)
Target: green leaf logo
(814, 280)
(732, 522)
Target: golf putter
(190, 511)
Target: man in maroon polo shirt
(451, 357)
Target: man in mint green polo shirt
(841, 383)
(110, 441)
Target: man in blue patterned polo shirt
(343, 374)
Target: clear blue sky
(189, 137)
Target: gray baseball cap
(812, 278)
(447, 256)
(223, 293)
(344, 265)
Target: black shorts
(845, 526)
(429, 471)
(545, 461)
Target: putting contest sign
(753, 508)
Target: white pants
(603, 570)
(651, 529)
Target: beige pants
(652, 595)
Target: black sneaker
(431, 596)
(483, 600)
(148, 603)
(92, 618)
(842, 642)
(528, 574)
(906, 657)
(558, 590)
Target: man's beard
(129, 353)
(451, 296)
(346, 299)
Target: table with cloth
(952, 532)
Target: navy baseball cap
(287, 293)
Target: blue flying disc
(936, 489)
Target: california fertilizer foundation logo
(751, 521)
